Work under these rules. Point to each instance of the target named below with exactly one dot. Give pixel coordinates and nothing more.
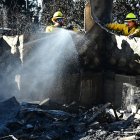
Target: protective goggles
(59, 19)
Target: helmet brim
(131, 20)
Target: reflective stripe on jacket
(124, 29)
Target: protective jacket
(124, 29)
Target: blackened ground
(49, 120)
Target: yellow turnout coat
(124, 29)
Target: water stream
(47, 64)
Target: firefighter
(58, 21)
(130, 29)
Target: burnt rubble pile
(49, 120)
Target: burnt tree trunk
(100, 55)
(93, 53)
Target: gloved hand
(131, 36)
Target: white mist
(47, 65)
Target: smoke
(8, 69)
(47, 65)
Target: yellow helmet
(131, 17)
(57, 15)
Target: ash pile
(48, 120)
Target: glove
(131, 36)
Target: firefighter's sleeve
(48, 29)
(137, 32)
(116, 26)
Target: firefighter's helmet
(57, 15)
(131, 17)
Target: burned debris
(49, 120)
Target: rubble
(49, 120)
